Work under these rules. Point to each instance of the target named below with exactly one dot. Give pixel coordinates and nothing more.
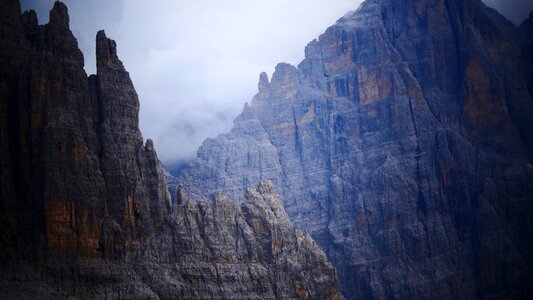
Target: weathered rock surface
(403, 144)
(84, 208)
(218, 250)
(72, 151)
(203, 250)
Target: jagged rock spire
(106, 52)
(263, 82)
(29, 18)
(284, 74)
(59, 15)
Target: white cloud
(195, 63)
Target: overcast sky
(195, 63)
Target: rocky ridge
(403, 144)
(85, 211)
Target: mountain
(85, 211)
(403, 143)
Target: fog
(195, 63)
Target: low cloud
(202, 59)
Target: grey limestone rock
(403, 144)
(215, 249)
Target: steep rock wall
(85, 211)
(403, 143)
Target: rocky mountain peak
(263, 201)
(30, 18)
(284, 74)
(106, 52)
(59, 17)
(263, 82)
(245, 112)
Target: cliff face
(72, 151)
(84, 208)
(403, 143)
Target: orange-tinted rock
(84, 208)
(65, 137)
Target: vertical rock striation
(130, 170)
(85, 211)
(75, 155)
(403, 144)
